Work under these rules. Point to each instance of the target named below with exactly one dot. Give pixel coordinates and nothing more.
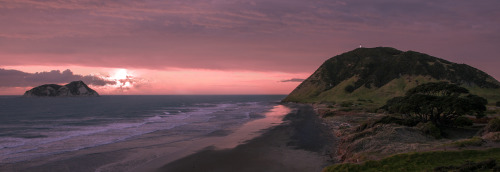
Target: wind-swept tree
(439, 102)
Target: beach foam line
(253, 128)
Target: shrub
(439, 102)
(331, 104)
(410, 122)
(346, 109)
(363, 126)
(344, 126)
(475, 141)
(491, 112)
(462, 121)
(493, 136)
(493, 125)
(346, 104)
(387, 120)
(470, 166)
(328, 114)
(484, 120)
(371, 110)
(430, 129)
(426, 161)
(349, 88)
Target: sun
(122, 77)
(120, 74)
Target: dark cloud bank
(15, 78)
(293, 80)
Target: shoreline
(281, 136)
(300, 143)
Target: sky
(226, 46)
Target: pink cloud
(16, 78)
(142, 81)
(293, 36)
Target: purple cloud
(15, 78)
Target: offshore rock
(73, 89)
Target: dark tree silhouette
(439, 102)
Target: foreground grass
(422, 161)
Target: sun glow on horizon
(123, 78)
(118, 81)
(120, 74)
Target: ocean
(36, 128)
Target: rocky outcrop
(73, 89)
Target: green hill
(374, 75)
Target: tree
(439, 102)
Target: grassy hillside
(423, 161)
(374, 75)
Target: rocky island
(73, 89)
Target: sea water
(33, 128)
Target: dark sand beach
(301, 143)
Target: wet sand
(302, 143)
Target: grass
(372, 98)
(369, 98)
(475, 141)
(421, 161)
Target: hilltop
(371, 76)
